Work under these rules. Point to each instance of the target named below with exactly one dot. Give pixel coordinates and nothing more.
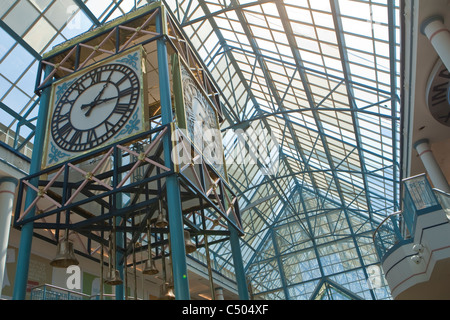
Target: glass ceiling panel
(315, 74)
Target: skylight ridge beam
(222, 11)
(224, 44)
(345, 69)
(19, 40)
(269, 81)
(88, 12)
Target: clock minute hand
(92, 105)
(97, 102)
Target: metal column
(438, 34)
(238, 264)
(181, 283)
(433, 169)
(7, 193)
(26, 236)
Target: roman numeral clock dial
(438, 94)
(201, 123)
(97, 106)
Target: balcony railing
(388, 234)
(444, 200)
(418, 198)
(51, 292)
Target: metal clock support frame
(161, 184)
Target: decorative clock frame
(84, 116)
(200, 121)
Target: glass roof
(312, 97)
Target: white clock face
(95, 107)
(201, 123)
(438, 94)
(205, 127)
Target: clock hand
(93, 103)
(98, 102)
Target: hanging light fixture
(167, 292)
(65, 255)
(150, 266)
(167, 289)
(189, 245)
(161, 221)
(113, 276)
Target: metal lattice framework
(311, 130)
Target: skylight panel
(360, 43)
(361, 27)
(13, 65)
(326, 35)
(40, 35)
(299, 14)
(323, 19)
(352, 8)
(15, 18)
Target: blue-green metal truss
(310, 225)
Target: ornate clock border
(96, 106)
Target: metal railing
(51, 292)
(388, 234)
(444, 200)
(418, 198)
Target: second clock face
(201, 123)
(95, 107)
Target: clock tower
(96, 106)
(115, 102)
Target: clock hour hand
(97, 102)
(93, 103)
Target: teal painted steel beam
(280, 265)
(26, 235)
(231, 48)
(175, 217)
(228, 8)
(238, 264)
(119, 237)
(117, 4)
(88, 12)
(19, 39)
(19, 117)
(394, 105)
(236, 67)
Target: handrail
(444, 199)
(382, 222)
(441, 192)
(383, 243)
(69, 292)
(418, 199)
(75, 293)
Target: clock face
(95, 107)
(438, 94)
(201, 122)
